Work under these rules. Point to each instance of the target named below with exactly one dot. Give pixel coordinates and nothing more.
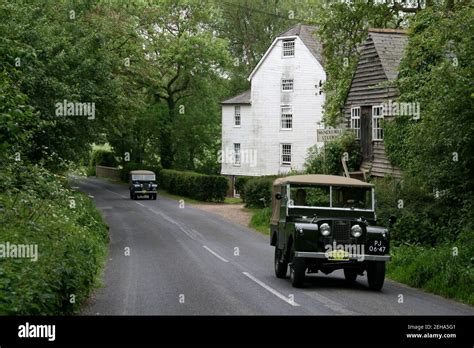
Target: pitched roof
(390, 45)
(306, 34)
(321, 179)
(242, 98)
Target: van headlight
(325, 229)
(356, 231)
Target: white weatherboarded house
(268, 129)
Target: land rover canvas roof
(320, 179)
(142, 172)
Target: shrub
(90, 171)
(100, 157)
(327, 160)
(422, 218)
(194, 185)
(240, 182)
(258, 192)
(71, 242)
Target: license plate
(377, 247)
(338, 255)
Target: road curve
(170, 260)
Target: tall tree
(181, 50)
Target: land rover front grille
(341, 231)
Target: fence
(107, 172)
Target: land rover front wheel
(375, 274)
(280, 267)
(297, 272)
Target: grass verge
(260, 219)
(445, 270)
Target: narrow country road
(167, 260)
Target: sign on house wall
(324, 135)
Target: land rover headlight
(356, 231)
(325, 229)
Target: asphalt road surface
(170, 260)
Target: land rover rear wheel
(375, 274)
(297, 272)
(280, 267)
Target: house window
(288, 48)
(237, 116)
(237, 154)
(377, 118)
(355, 121)
(287, 85)
(286, 117)
(286, 154)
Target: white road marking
(140, 204)
(273, 291)
(215, 254)
(332, 305)
(197, 233)
(91, 196)
(183, 228)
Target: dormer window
(288, 48)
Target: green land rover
(324, 223)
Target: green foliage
(422, 219)
(435, 152)
(240, 182)
(78, 60)
(442, 270)
(71, 242)
(261, 220)
(327, 160)
(194, 185)
(101, 157)
(258, 192)
(342, 27)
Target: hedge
(194, 185)
(258, 192)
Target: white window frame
(355, 120)
(237, 116)
(237, 154)
(287, 85)
(288, 48)
(286, 117)
(377, 118)
(284, 152)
